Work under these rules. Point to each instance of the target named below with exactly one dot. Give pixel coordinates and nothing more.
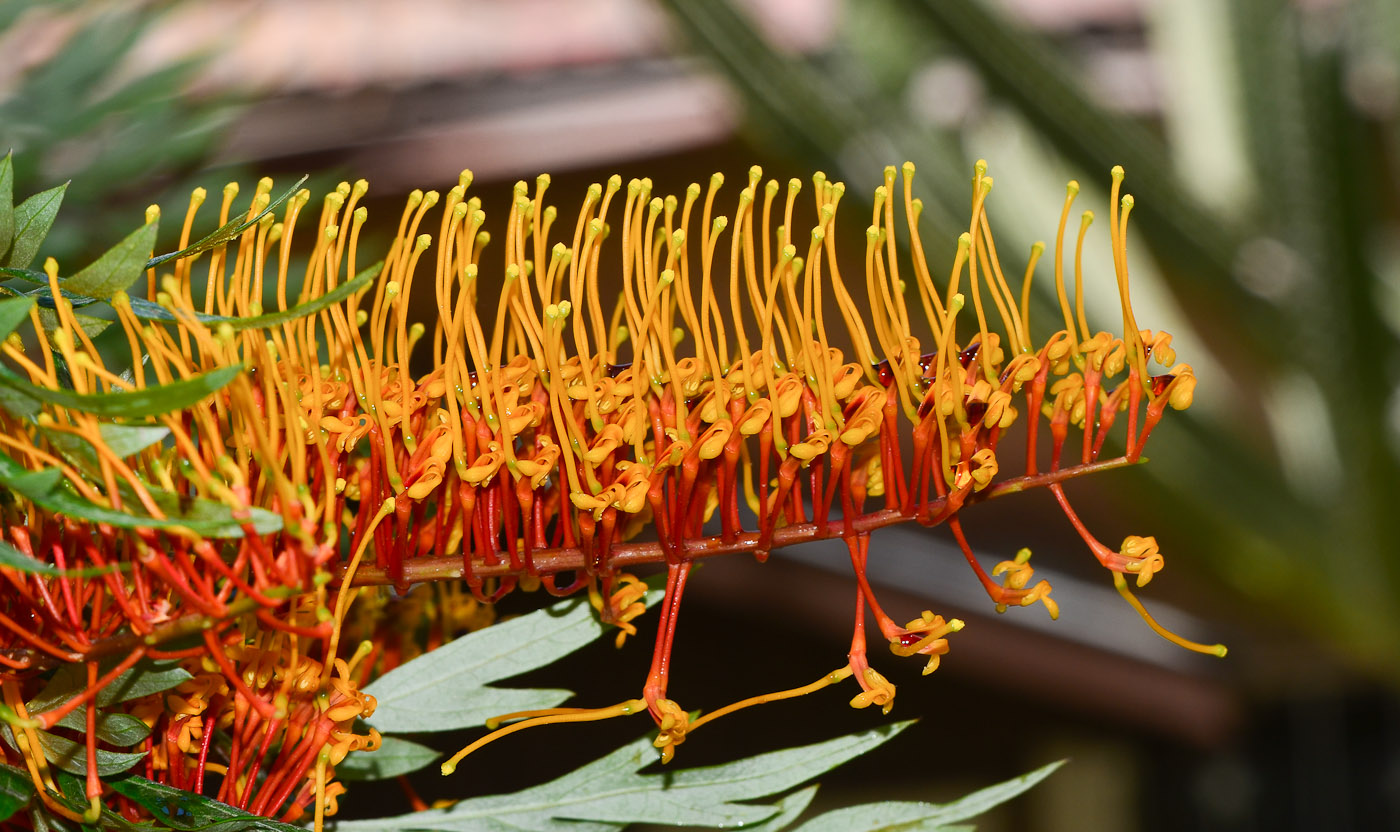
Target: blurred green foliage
(81, 109)
(1266, 195)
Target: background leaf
(611, 791)
(394, 757)
(908, 816)
(789, 808)
(449, 688)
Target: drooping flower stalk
(553, 440)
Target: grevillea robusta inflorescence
(270, 454)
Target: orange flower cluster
(552, 441)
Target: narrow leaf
(132, 404)
(393, 758)
(15, 789)
(7, 206)
(611, 791)
(148, 311)
(226, 233)
(449, 689)
(118, 268)
(49, 489)
(901, 816)
(182, 810)
(33, 219)
(12, 558)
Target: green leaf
(449, 689)
(182, 810)
(12, 558)
(393, 758)
(91, 325)
(226, 233)
(610, 791)
(208, 517)
(72, 756)
(132, 404)
(121, 266)
(148, 311)
(7, 202)
(74, 796)
(124, 441)
(49, 489)
(114, 728)
(33, 219)
(789, 807)
(13, 312)
(907, 817)
(15, 790)
(145, 678)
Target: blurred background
(1262, 143)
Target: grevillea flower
(737, 396)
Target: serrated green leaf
(182, 810)
(13, 312)
(449, 689)
(393, 758)
(33, 219)
(12, 558)
(902, 816)
(15, 790)
(49, 489)
(118, 268)
(227, 233)
(7, 202)
(132, 404)
(611, 791)
(143, 679)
